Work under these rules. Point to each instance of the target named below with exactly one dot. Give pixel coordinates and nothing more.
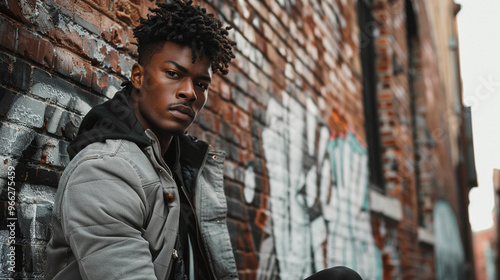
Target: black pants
(335, 273)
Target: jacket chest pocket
(156, 204)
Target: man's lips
(181, 111)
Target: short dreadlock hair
(180, 22)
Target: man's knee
(336, 273)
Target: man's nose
(186, 90)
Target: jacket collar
(189, 151)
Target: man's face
(170, 89)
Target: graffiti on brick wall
(450, 258)
(30, 132)
(318, 197)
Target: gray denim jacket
(117, 210)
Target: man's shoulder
(109, 148)
(114, 150)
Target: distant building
(485, 254)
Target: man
(141, 199)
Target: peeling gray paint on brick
(62, 93)
(29, 11)
(21, 109)
(50, 151)
(15, 139)
(34, 221)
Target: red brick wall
(417, 117)
(396, 131)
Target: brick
(233, 152)
(234, 191)
(244, 155)
(239, 174)
(33, 47)
(37, 175)
(258, 92)
(131, 42)
(225, 91)
(34, 258)
(73, 66)
(61, 123)
(15, 139)
(14, 72)
(213, 101)
(105, 5)
(105, 83)
(69, 124)
(66, 7)
(220, 143)
(240, 99)
(5, 163)
(225, 131)
(44, 21)
(235, 210)
(209, 120)
(125, 64)
(37, 194)
(116, 36)
(257, 149)
(232, 227)
(258, 115)
(8, 34)
(24, 11)
(88, 17)
(66, 32)
(242, 119)
(21, 109)
(127, 12)
(244, 138)
(226, 111)
(34, 220)
(233, 171)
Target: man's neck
(164, 143)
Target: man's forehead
(178, 52)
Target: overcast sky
(479, 43)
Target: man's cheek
(149, 83)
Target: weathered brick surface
(14, 72)
(289, 115)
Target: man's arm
(102, 213)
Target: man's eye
(202, 86)
(171, 73)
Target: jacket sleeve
(102, 213)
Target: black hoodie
(114, 119)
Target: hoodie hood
(113, 119)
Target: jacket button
(169, 197)
(174, 254)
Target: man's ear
(137, 76)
